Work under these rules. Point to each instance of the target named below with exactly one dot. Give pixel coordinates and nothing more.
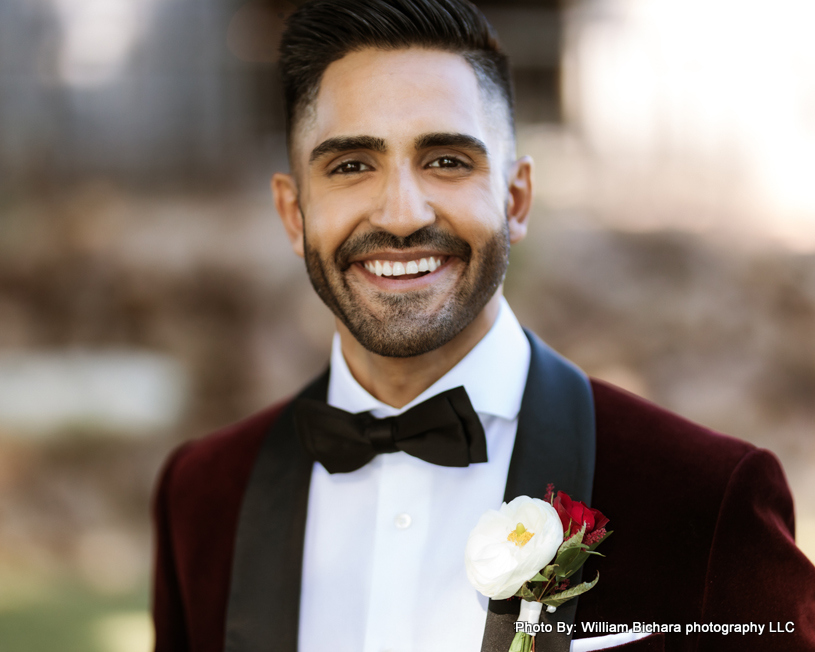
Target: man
(305, 528)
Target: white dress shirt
(383, 561)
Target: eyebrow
(443, 139)
(342, 144)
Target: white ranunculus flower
(509, 546)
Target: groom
(331, 522)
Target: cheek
(475, 215)
(330, 222)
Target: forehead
(395, 95)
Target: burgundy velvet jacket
(703, 533)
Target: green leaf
(567, 556)
(525, 593)
(540, 578)
(574, 541)
(565, 560)
(564, 596)
(548, 572)
(575, 567)
(573, 553)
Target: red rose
(574, 513)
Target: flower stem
(522, 643)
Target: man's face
(402, 187)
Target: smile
(400, 268)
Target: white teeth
(398, 268)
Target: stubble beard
(406, 329)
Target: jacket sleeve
(168, 607)
(755, 572)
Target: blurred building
(169, 91)
(136, 90)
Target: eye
(350, 167)
(448, 162)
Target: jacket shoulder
(203, 481)
(634, 432)
(657, 474)
(195, 511)
(222, 460)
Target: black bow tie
(442, 430)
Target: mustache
(428, 237)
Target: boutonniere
(529, 549)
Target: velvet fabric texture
(703, 533)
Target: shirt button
(403, 521)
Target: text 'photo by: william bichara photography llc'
(743, 629)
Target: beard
(407, 326)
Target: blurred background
(148, 294)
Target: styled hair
(323, 31)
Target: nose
(403, 206)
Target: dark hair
(323, 31)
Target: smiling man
(338, 520)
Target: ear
(519, 199)
(287, 202)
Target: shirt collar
(493, 373)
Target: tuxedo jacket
(703, 534)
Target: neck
(397, 381)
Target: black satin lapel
(555, 439)
(264, 597)
(555, 443)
